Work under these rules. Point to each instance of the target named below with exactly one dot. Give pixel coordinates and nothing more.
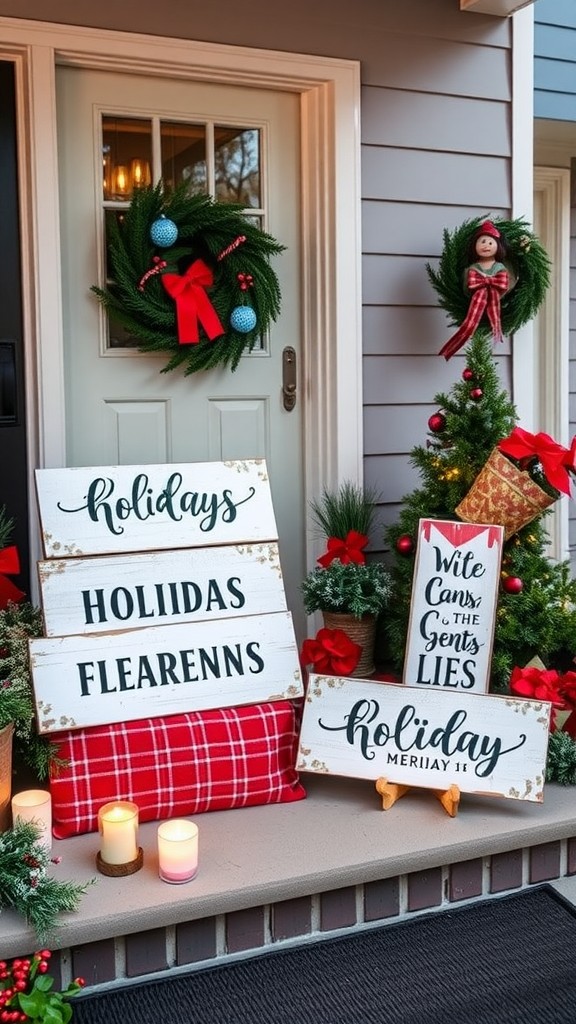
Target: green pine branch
(26, 886)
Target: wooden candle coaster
(117, 870)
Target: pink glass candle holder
(177, 850)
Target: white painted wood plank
(107, 592)
(120, 677)
(108, 509)
(484, 744)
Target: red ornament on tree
(437, 423)
(476, 394)
(405, 544)
(512, 584)
(467, 374)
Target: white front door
(120, 409)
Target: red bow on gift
(485, 299)
(10, 564)
(192, 303)
(553, 457)
(331, 652)
(347, 550)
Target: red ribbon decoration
(10, 564)
(331, 652)
(192, 303)
(485, 299)
(347, 550)
(553, 457)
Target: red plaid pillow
(176, 766)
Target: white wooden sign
(109, 592)
(83, 680)
(103, 510)
(492, 745)
(454, 595)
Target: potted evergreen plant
(349, 591)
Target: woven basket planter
(503, 495)
(362, 631)
(5, 775)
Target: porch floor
(336, 838)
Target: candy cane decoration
(158, 267)
(230, 248)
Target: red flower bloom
(347, 550)
(331, 653)
(537, 684)
(568, 688)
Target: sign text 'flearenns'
(146, 673)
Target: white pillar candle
(35, 805)
(177, 850)
(118, 827)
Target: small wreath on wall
(526, 261)
(190, 277)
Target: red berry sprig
(25, 997)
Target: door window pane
(237, 166)
(184, 155)
(126, 156)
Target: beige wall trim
(551, 398)
(500, 8)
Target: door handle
(289, 378)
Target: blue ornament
(163, 232)
(243, 319)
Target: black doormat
(510, 960)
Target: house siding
(436, 150)
(555, 59)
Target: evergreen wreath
(526, 259)
(238, 286)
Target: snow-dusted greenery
(352, 588)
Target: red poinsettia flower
(9, 566)
(568, 688)
(537, 684)
(331, 652)
(347, 550)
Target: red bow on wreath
(553, 457)
(485, 299)
(347, 550)
(192, 303)
(331, 652)
(10, 564)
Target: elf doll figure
(486, 279)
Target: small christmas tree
(536, 614)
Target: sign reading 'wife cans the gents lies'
(454, 596)
(430, 738)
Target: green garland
(25, 885)
(527, 260)
(206, 230)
